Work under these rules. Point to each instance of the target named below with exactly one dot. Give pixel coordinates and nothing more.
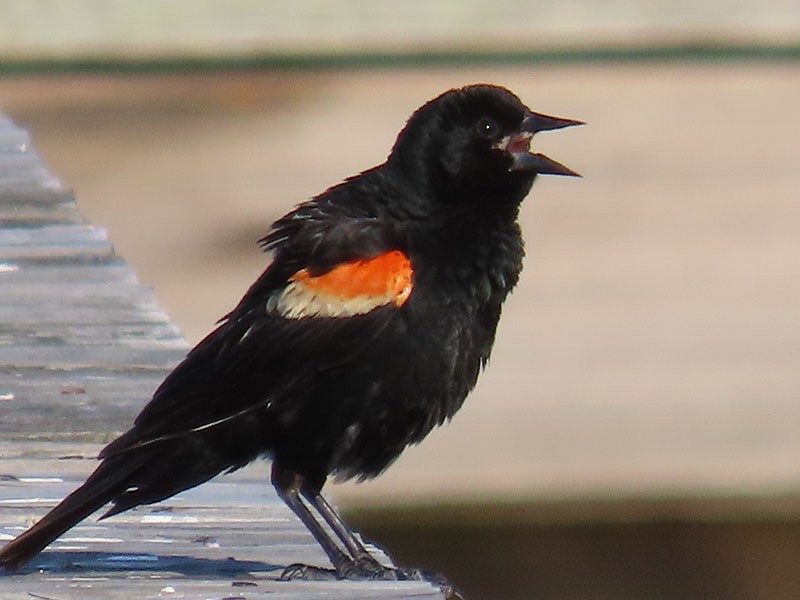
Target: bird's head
(477, 139)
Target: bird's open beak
(518, 145)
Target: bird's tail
(102, 486)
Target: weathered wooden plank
(37, 207)
(71, 404)
(103, 356)
(109, 273)
(54, 241)
(9, 182)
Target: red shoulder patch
(348, 289)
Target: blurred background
(637, 433)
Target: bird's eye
(487, 128)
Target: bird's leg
(288, 485)
(361, 556)
(292, 488)
(367, 566)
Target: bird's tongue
(520, 142)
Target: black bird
(368, 329)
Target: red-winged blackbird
(368, 329)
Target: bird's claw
(359, 570)
(308, 573)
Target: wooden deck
(82, 347)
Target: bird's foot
(369, 569)
(307, 573)
(362, 568)
(365, 566)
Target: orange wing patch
(352, 288)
